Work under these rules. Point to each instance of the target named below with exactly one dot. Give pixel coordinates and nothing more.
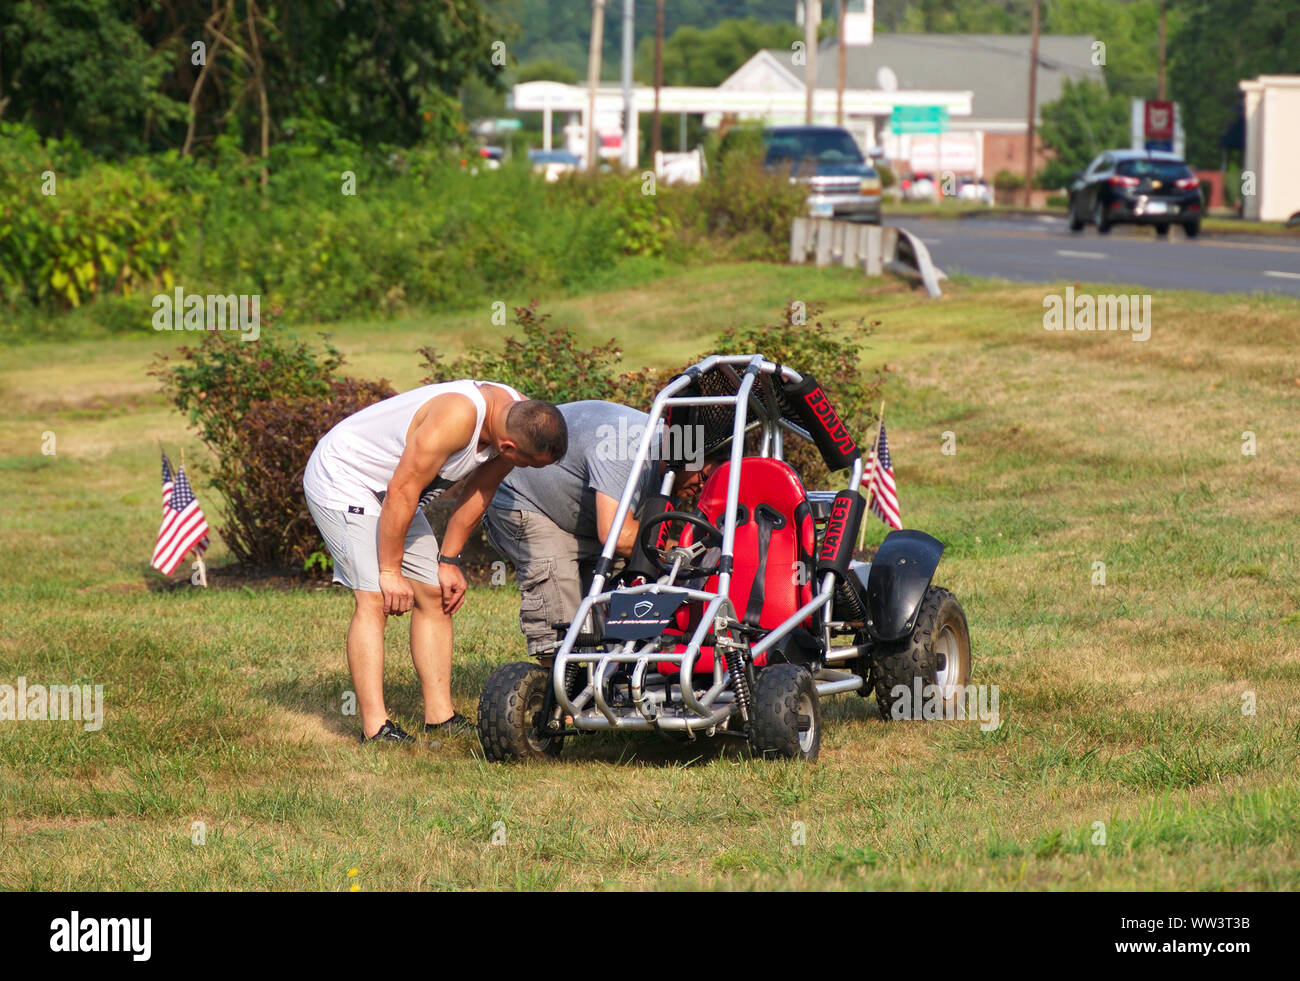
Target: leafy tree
(1084, 121)
(127, 75)
(695, 56)
(1218, 44)
(80, 69)
(385, 70)
(1130, 32)
(547, 70)
(562, 31)
(962, 16)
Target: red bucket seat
(773, 569)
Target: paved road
(1042, 249)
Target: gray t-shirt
(603, 439)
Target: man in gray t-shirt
(551, 523)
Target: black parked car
(1142, 187)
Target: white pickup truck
(842, 183)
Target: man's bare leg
(431, 639)
(366, 659)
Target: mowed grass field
(1164, 704)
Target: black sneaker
(389, 732)
(457, 725)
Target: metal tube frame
(704, 711)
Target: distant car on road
(841, 182)
(1143, 187)
(920, 187)
(970, 189)
(553, 164)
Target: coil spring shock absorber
(573, 680)
(739, 677)
(847, 604)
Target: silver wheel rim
(530, 734)
(806, 738)
(947, 650)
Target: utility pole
(841, 69)
(1160, 78)
(593, 76)
(656, 142)
(811, 15)
(1033, 99)
(629, 119)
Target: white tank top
(352, 464)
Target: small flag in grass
(881, 485)
(183, 526)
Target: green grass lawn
(1121, 703)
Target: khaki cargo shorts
(553, 569)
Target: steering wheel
(692, 556)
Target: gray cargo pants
(554, 569)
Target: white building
(991, 72)
(981, 80)
(1272, 146)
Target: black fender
(896, 583)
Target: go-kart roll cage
(711, 708)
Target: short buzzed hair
(538, 428)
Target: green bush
(408, 228)
(1005, 180)
(104, 231)
(274, 527)
(548, 363)
(545, 363)
(811, 344)
(832, 352)
(742, 204)
(260, 408)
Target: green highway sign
(919, 119)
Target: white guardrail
(875, 248)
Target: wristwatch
(449, 560)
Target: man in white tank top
(364, 484)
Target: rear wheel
(1192, 228)
(937, 654)
(511, 699)
(787, 717)
(1100, 219)
(1162, 231)
(1076, 223)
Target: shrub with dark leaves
(260, 408)
(274, 525)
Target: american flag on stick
(183, 526)
(878, 483)
(882, 491)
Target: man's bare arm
(606, 508)
(473, 503)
